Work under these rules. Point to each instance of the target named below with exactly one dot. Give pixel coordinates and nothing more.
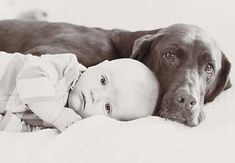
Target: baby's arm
(73, 69)
(55, 114)
(35, 85)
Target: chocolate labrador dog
(190, 67)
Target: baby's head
(124, 89)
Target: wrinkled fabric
(26, 79)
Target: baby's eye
(103, 80)
(107, 107)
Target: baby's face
(104, 90)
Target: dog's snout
(181, 106)
(185, 100)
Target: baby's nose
(96, 95)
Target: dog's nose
(185, 100)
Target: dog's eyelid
(170, 50)
(207, 56)
(207, 59)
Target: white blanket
(150, 139)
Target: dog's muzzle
(182, 107)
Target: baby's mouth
(84, 101)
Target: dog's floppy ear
(222, 81)
(141, 47)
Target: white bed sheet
(150, 139)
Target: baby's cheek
(75, 102)
(94, 109)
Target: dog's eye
(209, 68)
(170, 56)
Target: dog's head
(190, 67)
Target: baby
(59, 91)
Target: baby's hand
(66, 118)
(72, 73)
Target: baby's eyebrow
(108, 75)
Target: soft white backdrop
(151, 139)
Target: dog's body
(91, 45)
(189, 65)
